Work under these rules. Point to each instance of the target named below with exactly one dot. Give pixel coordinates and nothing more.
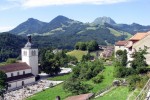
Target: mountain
(30, 26)
(132, 29)
(63, 32)
(103, 20)
(63, 25)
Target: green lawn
(50, 94)
(77, 53)
(119, 93)
(108, 79)
(60, 78)
(117, 33)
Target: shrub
(98, 79)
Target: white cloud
(40, 3)
(5, 28)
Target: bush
(98, 79)
(136, 81)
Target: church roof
(20, 77)
(14, 67)
(120, 43)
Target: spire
(29, 38)
(28, 44)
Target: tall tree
(3, 84)
(139, 60)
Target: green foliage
(90, 46)
(136, 81)
(11, 60)
(122, 71)
(51, 63)
(139, 60)
(86, 57)
(98, 79)
(10, 46)
(88, 70)
(75, 86)
(3, 85)
(122, 57)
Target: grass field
(77, 53)
(60, 78)
(108, 79)
(117, 33)
(50, 94)
(120, 93)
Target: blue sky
(14, 12)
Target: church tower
(30, 56)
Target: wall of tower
(30, 56)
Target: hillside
(77, 53)
(10, 46)
(63, 32)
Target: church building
(24, 72)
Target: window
(12, 74)
(24, 72)
(9, 85)
(22, 83)
(25, 53)
(33, 53)
(17, 73)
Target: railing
(143, 95)
(100, 92)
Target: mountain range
(64, 25)
(63, 33)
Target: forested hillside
(10, 46)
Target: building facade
(139, 40)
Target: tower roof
(29, 43)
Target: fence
(145, 93)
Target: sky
(14, 12)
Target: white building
(120, 45)
(139, 40)
(23, 73)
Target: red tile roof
(138, 36)
(120, 43)
(81, 97)
(14, 67)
